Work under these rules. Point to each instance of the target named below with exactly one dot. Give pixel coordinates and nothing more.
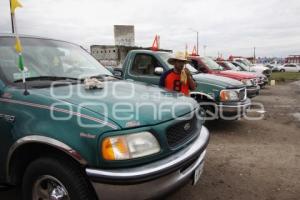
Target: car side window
(144, 64)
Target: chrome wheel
(49, 188)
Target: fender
(37, 139)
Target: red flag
(194, 53)
(155, 45)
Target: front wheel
(51, 179)
(282, 70)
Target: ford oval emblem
(187, 126)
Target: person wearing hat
(179, 78)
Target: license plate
(197, 174)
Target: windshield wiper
(103, 75)
(48, 78)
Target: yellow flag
(18, 46)
(14, 4)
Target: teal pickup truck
(224, 97)
(79, 133)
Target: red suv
(208, 65)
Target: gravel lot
(250, 159)
(254, 159)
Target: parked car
(242, 67)
(227, 65)
(273, 67)
(63, 141)
(220, 95)
(208, 65)
(252, 67)
(289, 67)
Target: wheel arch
(200, 96)
(29, 148)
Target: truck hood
(125, 103)
(219, 81)
(258, 68)
(236, 74)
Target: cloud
(230, 27)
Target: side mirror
(203, 69)
(158, 70)
(111, 69)
(118, 72)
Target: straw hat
(178, 56)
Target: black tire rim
(49, 188)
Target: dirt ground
(257, 160)
(247, 160)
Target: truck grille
(181, 131)
(242, 94)
(267, 72)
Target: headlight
(247, 82)
(229, 95)
(129, 146)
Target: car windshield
(242, 66)
(232, 66)
(211, 64)
(245, 62)
(166, 56)
(47, 58)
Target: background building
(124, 35)
(293, 59)
(114, 55)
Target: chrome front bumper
(253, 91)
(154, 179)
(233, 110)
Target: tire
(282, 70)
(64, 176)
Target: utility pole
(11, 18)
(254, 56)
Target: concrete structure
(124, 35)
(114, 56)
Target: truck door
(143, 67)
(6, 125)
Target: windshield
(165, 57)
(242, 66)
(211, 64)
(245, 62)
(43, 57)
(232, 66)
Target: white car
(289, 67)
(254, 67)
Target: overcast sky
(230, 27)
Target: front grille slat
(177, 134)
(242, 94)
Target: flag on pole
(21, 62)
(14, 4)
(194, 53)
(18, 46)
(155, 45)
